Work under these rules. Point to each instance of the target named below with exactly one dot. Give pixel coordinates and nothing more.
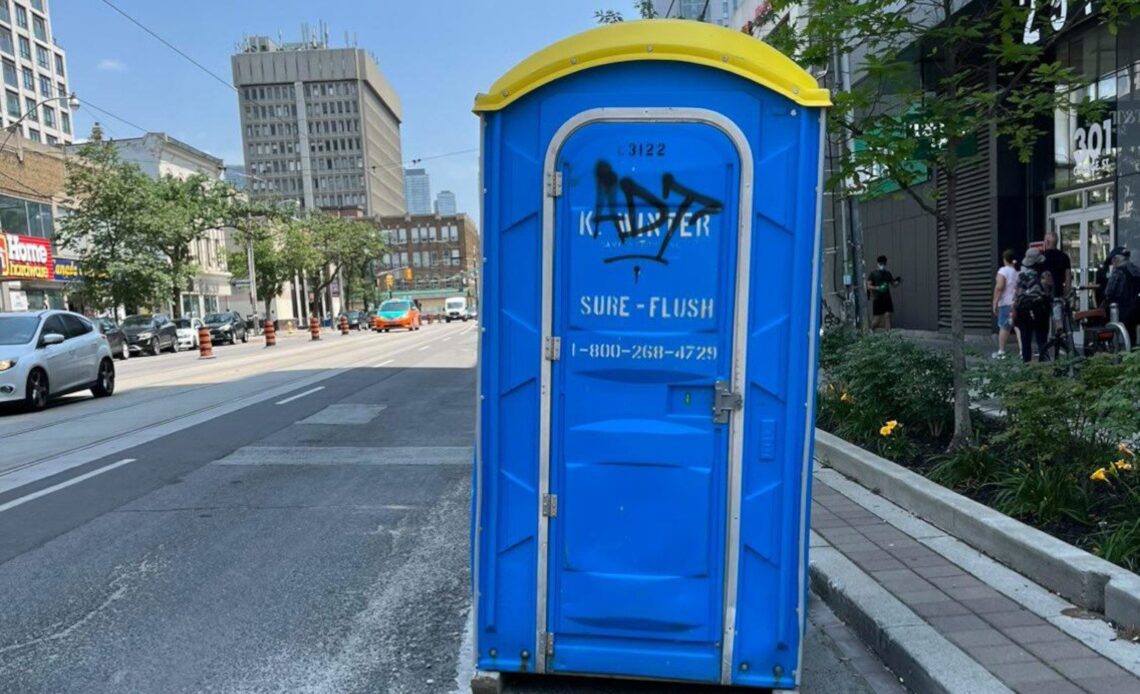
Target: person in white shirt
(1005, 284)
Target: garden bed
(1060, 457)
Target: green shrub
(833, 346)
(967, 469)
(1043, 494)
(1119, 543)
(887, 377)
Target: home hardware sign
(25, 258)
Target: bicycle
(1110, 338)
(1061, 346)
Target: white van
(455, 308)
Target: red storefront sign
(25, 258)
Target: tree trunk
(177, 293)
(963, 426)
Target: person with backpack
(1032, 305)
(1123, 289)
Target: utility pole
(249, 262)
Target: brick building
(32, 177)
(442, 252)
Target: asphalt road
(273, 521)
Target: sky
(437, 54)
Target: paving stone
(1091, 668)
(958, 580)
(1050, 687)
(979, 637)
(1036, 634)
(956, 623)
(1111, 685)
(919, 597)
(992, 605)
(976, 593)
(1051, 651)
(1000, 655)
(940, 570)
(1024, 618)
(874, 565)
(918, 562)
(945, 608)
(895, 575)
(858, 556)
(1024, 673)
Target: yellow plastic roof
(658, 39)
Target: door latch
(725, 402)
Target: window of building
(45, 86)
(10, 78)
(52, 140)
(39, 28)
(42, 57)
(21, 17)
(454, 232)
(61, 89)
(6, 44)
(13, 102)
(38, 5)
(65, 122)
(33, 135)
(30, 109)
(29, 79)
(49, 116)
(5, 15)
(59, 65)
(25, 48)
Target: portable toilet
(647, 362)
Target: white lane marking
(298, 396)
(445, 339)
(384, 363)
(423, 348)
(56, 487)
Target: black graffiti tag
(606, 209)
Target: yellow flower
(888, 428)
(885, 431)
(892, 424)
(1122, 465)
(1099, 475)
(1123, 448)
(845, 398)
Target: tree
(929, 77)
(644, 8)
(323, 245)
(109, 226)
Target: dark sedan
(357, 320)
(151, 334)
(115, 337)
(227, 326)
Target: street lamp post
(72, 102)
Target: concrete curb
(924, 659)
(1086, 580)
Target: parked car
(115, 337)
(398, 313)
(47, 354)
(151, 334)
(357, 320)
(188, 332)
(227, 326)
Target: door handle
(725, 402)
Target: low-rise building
(158, 155)
(33, 274)
(441, 252)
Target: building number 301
(1059, 16)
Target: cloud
(111, 65)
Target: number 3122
(644, 149)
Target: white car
(188, 332)
(46, 354)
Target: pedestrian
(1005, 287)
(1124, 289)
(1031, 304)
(879, 284)
(1058, 264)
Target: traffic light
(407, 274)
(389, 281)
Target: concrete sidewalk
(946, 617)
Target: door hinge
(550, 505)
(553, 348)
(548, 644)
(554, 184)
(725, 402)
